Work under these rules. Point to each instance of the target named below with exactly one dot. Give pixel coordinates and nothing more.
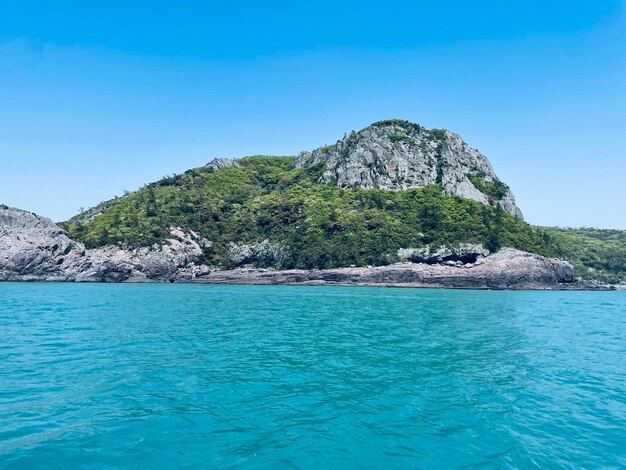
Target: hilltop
(397, 155)
(373, 198)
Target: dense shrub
(596, 254)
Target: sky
(101, 97)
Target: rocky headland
(33, 248)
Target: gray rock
(564, 270)
(33, 248)
(191, 272)
(157, 262)
(415, 255)
(218, 163)
(264, 252)
(514, 267)
(469, 252)
(397, 155)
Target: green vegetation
(406, 125)
(595, 254)
(495, 190)
(321, 226)
(399, 137)
(438, 134)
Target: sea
(152, 376)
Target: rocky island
(394, 204)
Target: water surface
(162, 376)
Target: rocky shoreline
(33, 248)
(508, 269)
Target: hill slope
(390, 192)
(266, 212)
(596, 254)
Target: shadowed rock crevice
(463, 254)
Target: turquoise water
(164, 376)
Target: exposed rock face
(158, 262)
(33, 248)
(396, 155)
(218, 163)
(241, 254)
(507, 269)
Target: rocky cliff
(33, 248)
(397, 155)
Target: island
(394, 204)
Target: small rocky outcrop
(264, 252)
(157, 262)
(219, 163)
(397, 155)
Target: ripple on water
(267, 376)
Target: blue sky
(99, 97)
